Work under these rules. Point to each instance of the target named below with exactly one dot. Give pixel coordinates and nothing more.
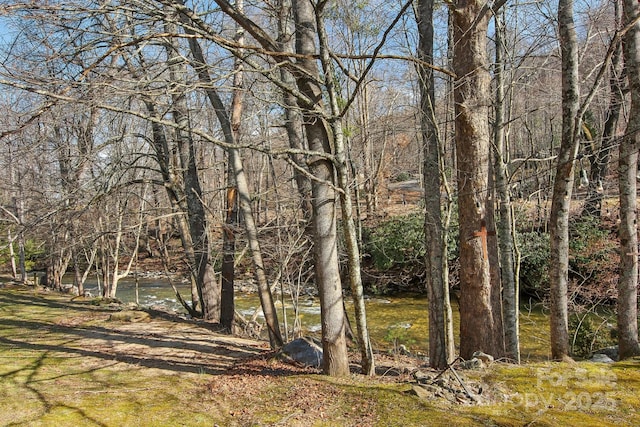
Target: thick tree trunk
(627, 169)
(563, 184)
(323, 199)
(472, 98)
(441, 344)
(348, 221)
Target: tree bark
(209, 287)
(231, 220)
(235, 161)
(471, 95)
(441, 344)
(627, 170)
(327, 271)
(348, 221)
(293, 116)
(505, 226)
(563, 184)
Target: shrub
(400, 242)
(534, 263)
(589, 332)
(397, 242)
(33, 253)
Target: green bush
(589, 245)
(33, 253)
(397, 242)
(534, 263)
(400, 242)
(589, 332)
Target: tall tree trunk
(229, 252)
(327, 271)
(231, 220)
(472, 98)
(176, 198)
(505, 226)
(441, 344)
(627, 170)
(293, 116)
(493, 253)
(264, 291)
(348, 221)
(563, 184)
(210, 289)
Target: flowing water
(392, 321)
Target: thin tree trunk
(627, 170)
(210, 288)
(12, 256)
(264, 291)
(495, 275)
(441, 345)
(563, 184)
(510, 291)
(231, 220)
(348, 221)
(229, 252)
(599, 160)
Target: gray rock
(305, 350)
(474, 363)
(612, 352)
(421, 392)
(421, 377)
(601, 358)
(486, 358)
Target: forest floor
(73, 362)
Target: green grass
(52, 375)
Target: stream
(393, 321)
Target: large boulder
(306, 351)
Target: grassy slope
(64, 363)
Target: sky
(4, 31)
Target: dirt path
(108, 333)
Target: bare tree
(348, 221)
(563, 183)
(478, 327)
(230, 125)
(505, 223)
(441, 344)
(600, 155)
(627, 170)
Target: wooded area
(193, 132)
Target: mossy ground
(65, 363)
